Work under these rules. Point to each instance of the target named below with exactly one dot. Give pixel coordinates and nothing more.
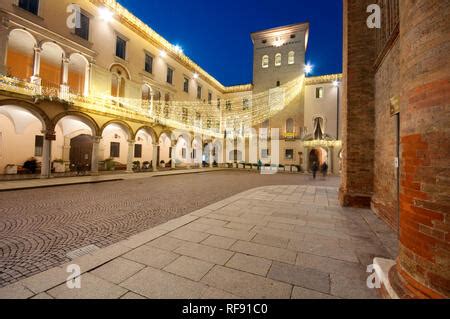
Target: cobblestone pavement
(39, 227)
(291, 241)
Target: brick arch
(47, 124)
(148, 130)
(86, 119)
(123, 124)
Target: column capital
(96, 139)
(49, 134)
(37, 49)
(130, 142)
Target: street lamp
(105, 14)
(308, 68)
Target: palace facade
(87, 84)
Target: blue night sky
(216, 34)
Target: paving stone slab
(300, 276)
(303, 293)
(219, 242)
(151, 256)
(189, 268)
(118, 270)
(166, 243)
(157, 284)
(92, 287)
(189, 235)
(251, 264)
(15, 291)
(210, 254)
(246, 285)
(265, 251)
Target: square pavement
(270, 242)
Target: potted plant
(162, 164)
(59, 166)
(11, 169)
(110, 165)
(136, 166)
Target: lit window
(30, 5)
(319, 93)
(121, 48)
(278, 59)
(265, 62)
(289, 154)
(291, 57)
(245, 104)
(290, 126)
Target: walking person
(325, 170)
(315, 168)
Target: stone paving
(41, 228)
(268, 242)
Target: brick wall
(387, 86)
(357, 116)
(424, 258)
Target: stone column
(130, 156)
(424, 261)
(95, 154)
(155, 158)
(173, 158)
(64, 88)
(46, 166)
(4, 37)
(87, 80)
(35, 78)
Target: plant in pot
(59, 166)
(110, 165)
(136, 166)
(162, 164)
(11, 169)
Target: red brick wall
(424, 258)
(357, 116)
(387, 86)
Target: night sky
(216, 34)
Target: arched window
(289, 126)
(118, 80)
(265, 62)
(291, 57)
(278, 59)
(319, 128)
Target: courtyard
(224, 234)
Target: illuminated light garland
(261, 107)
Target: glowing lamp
(105, 14)
(163, 54)
(196, 75)
(308, 68)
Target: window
(265, 62)
(218, 103)
(183, 153)
(289, 154)
(38, 145)
(198, 117)
(30, 5)
(83, 30)
(278, 83)
(278, 59)
(114, 150)
(319, 93)
(209, 98)
(265, 153)
(138, 150)
(291, 57)
(245, 104)
(186, 85)
(148, 63)
(208, 123)
(121, 48)
(184, 115)
(289, 126)
(199, 92)
(228, 105)
(169, 76)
